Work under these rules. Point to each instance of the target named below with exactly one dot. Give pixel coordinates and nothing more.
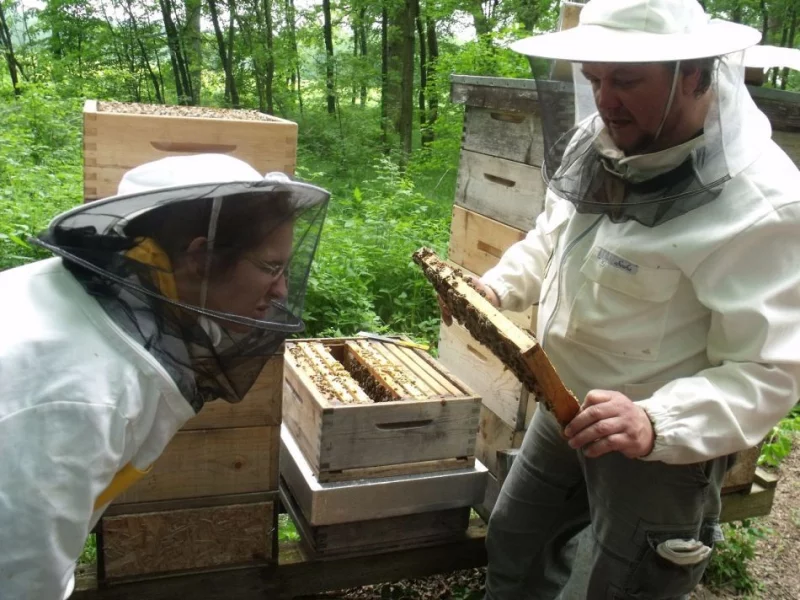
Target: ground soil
(776, 565)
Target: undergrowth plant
(728, 568)
(778, 444)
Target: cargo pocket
(621, 308)
(673, 562)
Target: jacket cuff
(499, 287)
(660, 419)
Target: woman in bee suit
(169, 295)
(665, 270)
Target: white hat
(636, 31)
(193, 169)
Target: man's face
(631, 99)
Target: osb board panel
(494, 435)
(477, 242)
(115, 143)
(211, 462)
(194, 538)
(260, 406)
(513, 135)
(508, 192)
(499, 389)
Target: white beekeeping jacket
(697, 318)
(82, 405)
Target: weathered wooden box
(479, 368)
(209, 501)
(118, 137)
(378, 535)
(226, 449)
(422, 414)
(376, 498)
(176, 540)
(477, 242)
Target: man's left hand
(608, 422)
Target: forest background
(367, 82)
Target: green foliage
(89, 554)
(287, 532)
(40, 174)
(729, 562)
(778, 444)
(364, 278)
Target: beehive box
(209, 500)
(119, 136)
(377, 535)
(376, 498)
(180, 539)
(353, 404)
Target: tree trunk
(223, 52)
(790, 44)
(363, 40)
(183, 86)
(270, 73)
(8, 48)
(405, 122)
(423, 68)
(356, 47)
(292, 23)
(385, 77)
(229, 70)
(329, 72)
(194, 47)
(784, 39)
(433, 98)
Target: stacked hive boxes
(210, 500)
(499, 194)
(378, 447)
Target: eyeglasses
(274, 268)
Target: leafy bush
(728, 566)
(40, 174)
(778, 444)
(363, 277)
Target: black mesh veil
(209, 278)
(583, 166)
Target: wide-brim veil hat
(640, 31)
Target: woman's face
(256, 279)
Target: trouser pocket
(672, 562)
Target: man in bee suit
(169, 295)
(665, 270)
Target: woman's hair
(244, 222)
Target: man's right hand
(447, 317)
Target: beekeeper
(665, 270)
(169, 295)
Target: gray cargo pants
(552, 493)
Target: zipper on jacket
(567, 250)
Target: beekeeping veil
(582, 163)
(203, 261)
